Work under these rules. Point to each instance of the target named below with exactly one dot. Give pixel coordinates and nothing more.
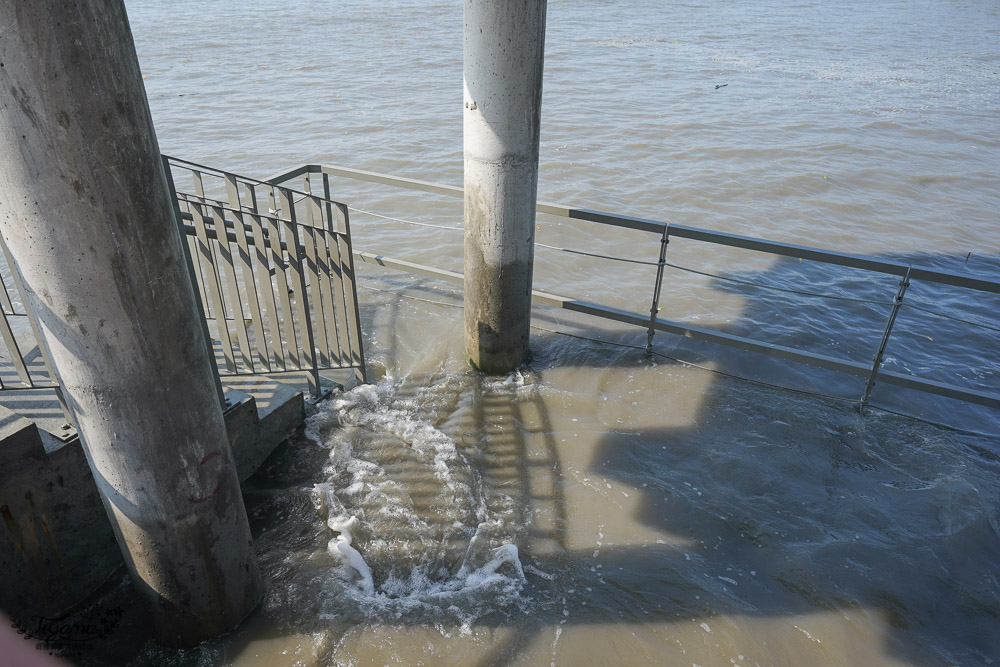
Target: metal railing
(277, 285)
(32, 370)
(663, 232)
(274, 271)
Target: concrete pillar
(504, 48)
(85, 212)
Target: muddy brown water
(600, 506)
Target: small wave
(499, 576)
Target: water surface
(600, 506)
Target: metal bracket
(877, 360)
(654, 309)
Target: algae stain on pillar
(504, 45)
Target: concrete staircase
(56, 543)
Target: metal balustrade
(663, 232)
(274, 271)
(33, 370)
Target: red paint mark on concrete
(195, 501)
(210, 456)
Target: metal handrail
(652, 322)
(683, 231)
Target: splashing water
(413, 528)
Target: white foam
(378, 408)
(384, 574)
(343, 525)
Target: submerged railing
(663, 233)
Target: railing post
(877, 362)
(654, 309)
(176, 207)
(353, 313)
(296, 261)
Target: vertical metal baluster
(311, 264)
(281, 278)
(664, 241)
(326, 289)
(191, 243)
(311, 217)
(251, 196)
(333, 225)
(262, 273)
(287, 341)
(14, 351)
(212, 285)
(328, 197)
(231, 285)
(297, 266)
(337, 250)
(312, 238)
(199, 185)
(247, 269)
(191, 240)
(340, 303)
(330, 338)
(352, 315)
(8, 307)
(896, 303)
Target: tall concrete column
(504, 49)
(85, 212)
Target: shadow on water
(779, 505)
(792, 514)
(793, 504)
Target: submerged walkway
(661, 513)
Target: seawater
(601, 506)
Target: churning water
(599, 506)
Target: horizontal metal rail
(665, 231)
(847, 366)
(369, 176)
(677, 231)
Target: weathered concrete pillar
(85, 212)
(504, 48)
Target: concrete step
(277, 410)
